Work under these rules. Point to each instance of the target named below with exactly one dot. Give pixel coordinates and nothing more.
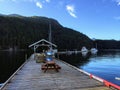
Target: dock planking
(31, 77)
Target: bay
(10, 61)
(104, 64)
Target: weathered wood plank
(31, 77)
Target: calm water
(105, 64)
(9, 63)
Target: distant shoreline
(68, 50)
(109, 49)
(13, 50)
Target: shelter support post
(34, 52)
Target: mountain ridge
(21, 31)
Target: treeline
(19, 32)
(107, 44)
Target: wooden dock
(31, 77)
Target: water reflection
(84, 54)
(9, 62)
(104, 64)
(75, 59)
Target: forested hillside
(108, 44)
(19, 32)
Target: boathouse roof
(42, 42)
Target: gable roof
(42, 40)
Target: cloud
(47, 1)
(71, 10)
(39, 4)
(118, 2)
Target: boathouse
(42, 43)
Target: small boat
(84, 49)
(55, 51)
(93, 50)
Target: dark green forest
(19, 32)
(108, 44)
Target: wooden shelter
(42, 42)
